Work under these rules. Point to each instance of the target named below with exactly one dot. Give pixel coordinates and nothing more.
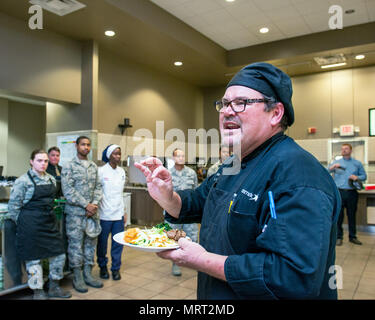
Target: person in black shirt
(54, 169)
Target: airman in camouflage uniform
(183, 178)
(82, 188)
(22, 194)
(225, 152)
(213, 169)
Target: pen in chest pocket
(232, 202)
(272, 205)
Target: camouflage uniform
(181, 180)
(80, 185)
(20, 195)
(213, 169)
(35, 271)
(23, 190)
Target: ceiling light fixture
(264, 30)
(230, 0)
(109, 33)
(360, 56)
(333, 65)
(178, 63)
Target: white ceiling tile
(282, 14)
(272, 30)
(229, 27)
(246, 9)
(216, 17)
(298, 1)
(226, 4)
(317, 22)
(293, 27)
(271, 37)
(311, 7)
(169, 3)
(236, 24)
(179, 12)
(195, 21)
(370, 5)
(255, 21)
(199, 7)
(271, 4)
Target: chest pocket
(242, 225)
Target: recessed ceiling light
(333, 65)
(230, 0)
(109, 33)
(178, 63)
(264, 30)
(360, 56)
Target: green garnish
(163, 226)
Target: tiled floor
(358, 268)
(146, 276)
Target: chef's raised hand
(159, 184)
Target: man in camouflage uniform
(83, 191)
(183, 178)
(224, 152)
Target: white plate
(119, 237)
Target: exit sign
(347, 130)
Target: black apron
(38, 236)
(214, 235)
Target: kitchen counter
(366, 208)
(145, 211)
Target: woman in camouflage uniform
(30, 207)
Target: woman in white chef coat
(111, 210)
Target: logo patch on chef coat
(251, 196)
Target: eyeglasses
(237, 105)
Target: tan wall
(325, 101)
(38, 63)
(26, 132)
(211, 116)
(129, 90)
(343, 97)
(3, 134)
(312, 106)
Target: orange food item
(131, 234)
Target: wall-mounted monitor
(371, 124)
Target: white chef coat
(111, 207)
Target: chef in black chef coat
(268, 231)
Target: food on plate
(176, 234)
(161, 235)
